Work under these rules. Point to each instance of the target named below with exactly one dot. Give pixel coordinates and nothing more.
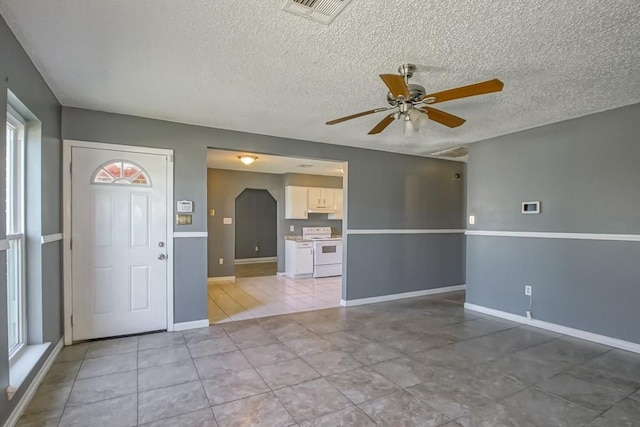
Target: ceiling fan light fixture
(409, 126)
(418, 118)
(247, 160)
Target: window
(15, 232)
(120, 173)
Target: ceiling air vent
(323, 11)
(452, 152)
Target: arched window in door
(121, 172)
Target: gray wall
(585, 172)
(256, 225)
(223, 186)
(44, 262)
(404, 262)
(384, 191)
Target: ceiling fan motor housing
(416, 93)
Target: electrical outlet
(527, 290)
(221, 261)
(292, 228)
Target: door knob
(162, 256)
(161, 244)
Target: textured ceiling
(249, 66)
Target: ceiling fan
(411, 102)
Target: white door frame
(68, 144)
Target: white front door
(118, 242)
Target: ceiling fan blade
(489, 86)
(443, 118)
(382, 125)
(396, 84)
(355, 116)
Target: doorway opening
(275, 231)
(256, 252)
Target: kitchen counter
(295, 238)
(298, 238)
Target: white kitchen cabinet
(338, 201)
(298, 259)
(320, 199)
(295, 202)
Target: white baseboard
(577, 333)
(221, 279)
(204, 323)
(383, 298)
(281, 274)
(256, 260)
(33, 387)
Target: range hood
(318, 209)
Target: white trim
(66, 232)
(13, 117)
(256, 260)
(578, 333)
(50, 238)
(408, 231)
(66, 237)
(170, 233)
(21, 365)
(281, 274)
(393, 297)
(204, 323)
(177, 234)
(221, 279)
(4, 245)
(31, 390)
(554, 235)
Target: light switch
(227, 221)
(472, 219)
(212, 212)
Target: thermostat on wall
(185, 206)
(531, 207)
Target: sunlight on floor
(254, 297)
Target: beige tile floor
(255, 297)
(420, 362)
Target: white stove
(318, 233)
(327, 251)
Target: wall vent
(323, 11)
(452, 152)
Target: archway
(256, 213)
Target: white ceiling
(249, 66)
(223, 159)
